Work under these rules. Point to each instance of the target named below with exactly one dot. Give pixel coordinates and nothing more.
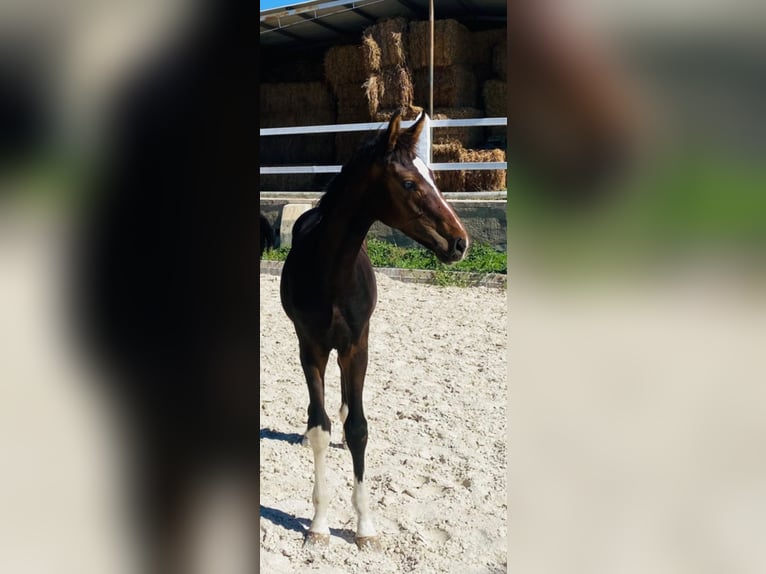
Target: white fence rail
(362, 127)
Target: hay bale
(448, 181)
(468, 136)
(499, 60)
(451, 43)
(351, 95)
(371, 55)
(391, 37)
(309, 149)
(302, 66)
(483, 180)
(394, 89)
(494, 97)
(454, 86)
(309, 100)
(468, 180)
(495, 105)
(482, 46)
(344, 65)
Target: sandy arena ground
(435, 399)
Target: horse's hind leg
(353, 365)
(314, 362)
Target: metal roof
(326, 21)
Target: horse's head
(408, 198)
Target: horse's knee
(355, 430)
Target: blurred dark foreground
(144, 260)
(637, 304)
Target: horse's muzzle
(458, 246)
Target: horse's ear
(393, 130)
(415, 129)
(409, 139)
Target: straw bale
(303, 66)
(466, 136)
(312, 149)
(395, 88)
(454, 86)
(483, 43)
(448, 181)
(391, 37)
(373, 89)
(468, 180)
(451, 43)
(495, 100)
(484, 180)
(499, 60)
(344, 65)
(371, 55)
(495, 105)
(306, 99)
(351, 95)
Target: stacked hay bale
(494, 90)
(286, 104)
(455, 91)
(391, 87)
(483, 44)
(369, 80)
(468, 180)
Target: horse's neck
(346, 225)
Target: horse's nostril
(460, 245)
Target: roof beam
(414, 8)
(282, 31)
(323, 24)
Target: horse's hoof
(316, 539)
(368, 542)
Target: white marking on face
(320, 441)
(424, 171)
(364, 525)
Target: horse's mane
(364, 154)
(368, 152)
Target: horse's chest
(346, 325)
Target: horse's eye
(409, 185)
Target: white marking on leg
(319, 441)
(343, 414)
(364, 525)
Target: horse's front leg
(314, 362)
(353, 365)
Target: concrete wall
(485, 220)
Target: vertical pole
(430, 72)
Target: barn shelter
(324, 23)
(325, 63)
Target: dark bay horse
(328, 288)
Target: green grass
(481, 258)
